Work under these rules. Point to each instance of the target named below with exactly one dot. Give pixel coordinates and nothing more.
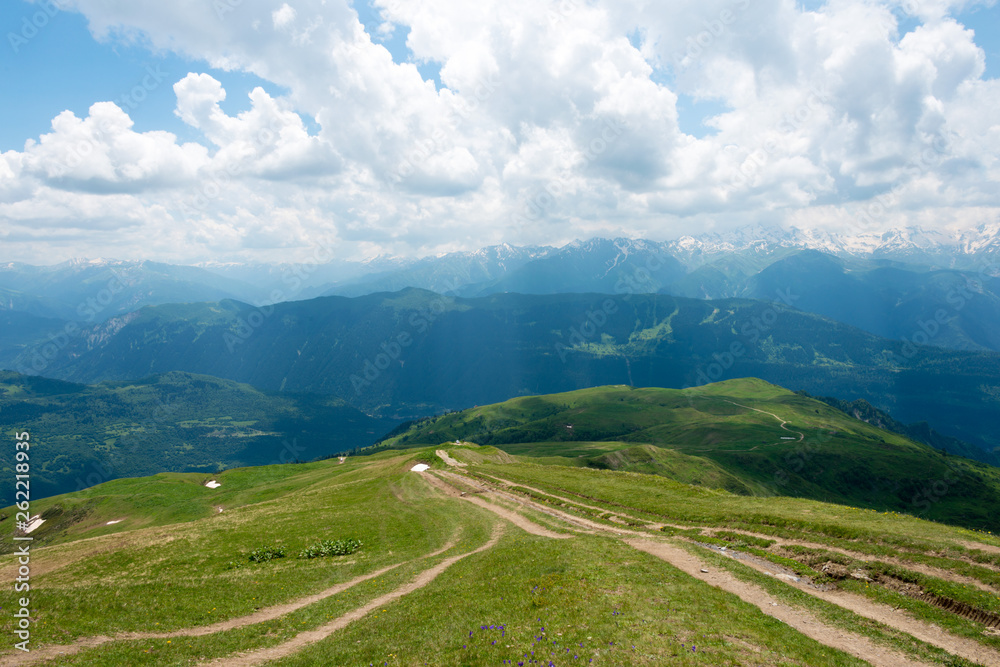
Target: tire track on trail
(894, 618)
(803, 620)
(652, 525)
(915, 566)
(54, 651)
(513, 517)
(308, 637)
(799, 619)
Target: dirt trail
(799, 619)
(931, 634)
(447, 459)
(515, 518)
(930, 570)
(582, 524)
(981, 546)
(898, 619)
(784, 426)
(259, 616)
(303, 639)
(653, 524)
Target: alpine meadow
(345, 333)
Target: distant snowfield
(213, 484)
(420, 467)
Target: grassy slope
(721, 436)
(166, 566)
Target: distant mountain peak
(932, 246)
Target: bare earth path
(940, 573)
(931, 634)
(513, 517)
(303, 639)
(578, 502)
(900, 620)
(981, 546)
(930, 570)
(259, 616)
(783, 422)
(447, 459)
(799, 619)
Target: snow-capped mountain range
(945, 248)
(583, 265)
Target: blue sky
(64, 67)
(522, 122)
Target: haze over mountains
(682, 267)
(908, 321)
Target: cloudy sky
(197, 130)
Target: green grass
(729, 436)
(625, 607)
(653, 498)
(833, 614)
(168, 566)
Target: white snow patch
(213, 484)
(111, 523)
(420, 467)
(35, 523)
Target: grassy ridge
(168, 565)
(729, 435)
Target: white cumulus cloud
(553, 119)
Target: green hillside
(489, 559)
(415, 353)
(730, 435)
(172, 422)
